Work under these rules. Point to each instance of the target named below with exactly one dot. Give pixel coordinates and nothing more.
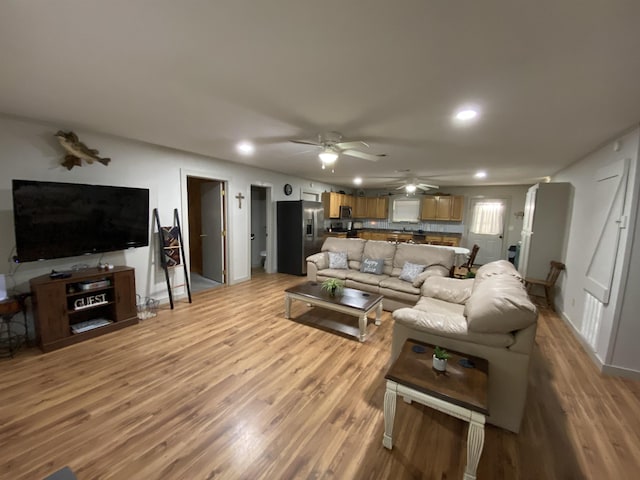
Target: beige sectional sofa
(397, 293)
(491, 317)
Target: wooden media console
(92, 296)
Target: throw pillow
(372, 265)
(338, 260)
(410, 271)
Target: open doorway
(207, 233)
(260, 252)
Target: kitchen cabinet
(332, 201)
(442, 207)
(360, 207)
(378, 207)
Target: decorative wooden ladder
(165, 244)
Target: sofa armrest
(321, 260)
(452, 290)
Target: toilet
(263, 257)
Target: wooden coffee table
(460, 392)
(350, 301)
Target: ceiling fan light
(410, 188)
(328, 156)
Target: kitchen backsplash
(444, 227)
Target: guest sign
(90, 301)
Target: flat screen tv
(56, 220)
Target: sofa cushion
(410, 271)
(372, 265)
(421, 255)
(399, 296)
(499, 304)
(394, 283)
(367, 278)
(338, 260)
(438, 319)
(332, 273)
(448, 289)
(383, 250)
(431, 271)
(353, 247)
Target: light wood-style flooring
(227, 388)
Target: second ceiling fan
(332, 146)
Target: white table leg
(287, 306)
(475, 442)
(379, 313)
(362, 320)
(389, 414)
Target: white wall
(29, 151)
(620, 326)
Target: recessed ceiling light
(357, 181)
(480, 174)
(466, 114)
(245, 148)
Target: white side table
(463, 395)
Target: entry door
(486, 228)
(212, 201)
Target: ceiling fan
(413, 184)
(332, 146)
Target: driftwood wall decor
(78, 151)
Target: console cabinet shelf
(60, 303)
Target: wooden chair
(548, 283)
(464, 269)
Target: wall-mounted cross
(240, 197)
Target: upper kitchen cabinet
(360, 207)
(377, 207)
(442, 207)
(332, 201)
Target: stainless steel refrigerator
(300, 234)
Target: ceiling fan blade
(400, 187)
(426, 186)
(362, 155)
(348, 145)
(306, 142)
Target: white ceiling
(554, 79)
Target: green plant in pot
(332, 286)
(440, 357)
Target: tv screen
(55, 220)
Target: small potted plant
(440, 357)
(332, 286)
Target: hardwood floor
(227, 388)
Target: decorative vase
(439, 364)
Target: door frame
(184, 199)
(269, 206)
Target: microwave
(345, 212)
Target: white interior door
(486, 228)
(212, 231)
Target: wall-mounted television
(56, 220)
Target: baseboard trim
(585, 346)
(605, 369)
(621, 372)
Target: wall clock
(287, 189)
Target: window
(488, 218)
(405, 210)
